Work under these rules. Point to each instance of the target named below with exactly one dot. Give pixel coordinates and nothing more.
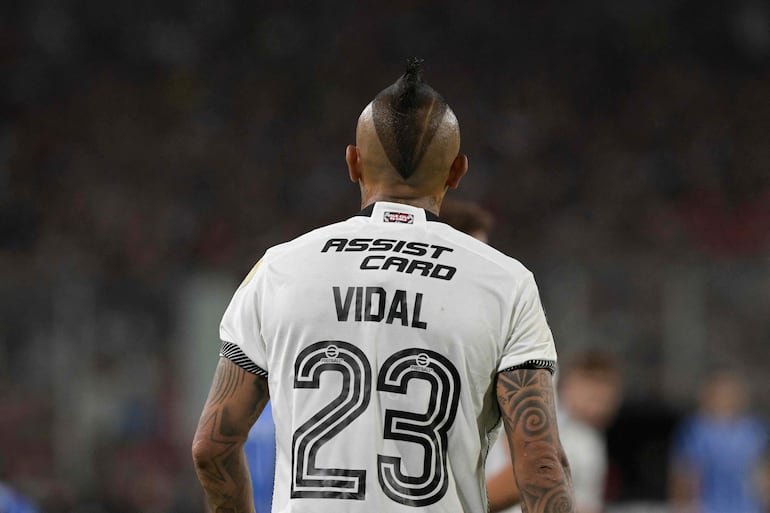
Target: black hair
(406, 116)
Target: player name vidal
(374, 304)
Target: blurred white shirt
(587, 454)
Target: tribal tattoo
(235, 401)
(542, 474)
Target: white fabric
(587, 456)
(304, 296)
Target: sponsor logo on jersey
(398, 217)
(421, 364)
(378, 261)
(332, 355)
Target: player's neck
(429, 203)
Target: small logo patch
(398, 217)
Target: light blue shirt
(12, 502)
(725, 456)
(260, 456)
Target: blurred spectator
(717, 461)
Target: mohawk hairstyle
(406, 116)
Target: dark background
(151, 151)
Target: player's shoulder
(481, 251)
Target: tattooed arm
(526, 400)
(235, 401)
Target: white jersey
(381, 337)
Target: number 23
(428, 429)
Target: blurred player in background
(468, 217)
(590, 389)
(717, 457)
(390, 343)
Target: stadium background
(150, 151)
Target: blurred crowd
(142, 143)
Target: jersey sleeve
(240, 329)
(530, 342)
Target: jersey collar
(388, 212)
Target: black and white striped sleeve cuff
(234, 353)
(548, 365)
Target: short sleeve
(240, 329)
(529, 341)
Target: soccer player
(390, 344)
(466, 216)
(717, 453)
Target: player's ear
(457, 170)
(353, 159)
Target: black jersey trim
(369, 210)
(548, 365)
(236, 355)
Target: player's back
(381, 337)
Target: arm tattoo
(542, 474)
(235, 402)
